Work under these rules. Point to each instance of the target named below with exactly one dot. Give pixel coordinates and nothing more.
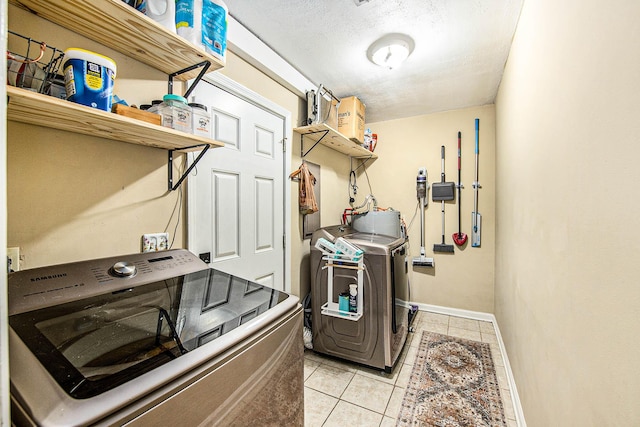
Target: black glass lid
(97, 343)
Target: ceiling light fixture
(390, 50)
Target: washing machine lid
(375, 240)
(98, 341)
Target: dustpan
(442, 191)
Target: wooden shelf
(335, 140)
(116, 25)
(42, 110)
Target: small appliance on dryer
(156, 338)
(376, 338)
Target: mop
(476, 218)
(421, 189)
(442, 191)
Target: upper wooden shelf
(335, 140)
(116, 25)
(42, 110)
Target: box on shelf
(351, 119)
(135, 113)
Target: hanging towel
(306, 195)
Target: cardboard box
(351, 119)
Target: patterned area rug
(453, 383)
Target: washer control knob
(123, 269)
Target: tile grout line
(487, 317)
(464, 314)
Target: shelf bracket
(189, 169)
(363, 162)
(303, 154)
(205, 67)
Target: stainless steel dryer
(376, 339)
(152, 339)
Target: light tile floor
(339, 393)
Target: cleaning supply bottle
(353, 298)
(343, 302)
(163, 12)
(188, 21)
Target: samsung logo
(52, 276)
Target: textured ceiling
(461, 47)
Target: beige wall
(334, 171)
(74, 197)
(567, 294)
(465, 279)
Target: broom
(459, 238)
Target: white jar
(175, 113)
(200, 119)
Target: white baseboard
(486, 317)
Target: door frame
(228, 85)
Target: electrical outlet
(13, 259)
(155, 242)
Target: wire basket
(32, 64)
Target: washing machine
(152, 339)
(376, 337)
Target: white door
(236, 203)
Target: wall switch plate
(13, 259)
(155, 242)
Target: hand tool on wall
(476, 218)
(459, 238)
(442, 191)
(422, 188)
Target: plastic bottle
(175, 112)
(343, 302)
(214, 28)
(140, 5)
(163, 12)
(188, 21)
(353, 298)
(154, 106)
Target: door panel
(226, 128)
(236, 196)
(264, 214)
(226, 200)
(265, 143)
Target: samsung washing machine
(152, 339)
